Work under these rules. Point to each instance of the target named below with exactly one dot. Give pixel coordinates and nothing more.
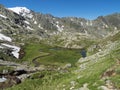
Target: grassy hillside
(77, 77)
(95, 72)
(56, 55)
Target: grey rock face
(66, 32)
(41, 24)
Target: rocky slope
(20, 24)
(22, 20)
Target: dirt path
(38, 63)
(19, 66)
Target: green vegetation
(116, 81)
(5, 68)
(54, 80)
(61, 80)
(57, 68)
(51, 81)
(50, 55)
(6, 57)
(92, 75)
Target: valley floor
(99, 71)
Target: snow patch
(45, 30)
(57, 22)
(22, 11)
(15, 49)
(28, 27)
(81, 23)
(53, 18)
(106, 26)
(33, 19)
(27, 22)
(72, 19)
(60, 27)
(3, 79)
(89, 23)
(3, 16)
(35, 22)
(40, 26)
(30, 16)
(115, 28)
(5, 38)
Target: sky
(89, 9)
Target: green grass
(61, 56)
(57, 81)
(116, 81)
(51, 81)
(56, 55)
(54, 80)
(92, 74)
(32, 51)
(5, 68)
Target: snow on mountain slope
(15, 49)
(5, 38)
(1, 47)
(22, 11)
(3, 16)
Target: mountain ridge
(24, 24)
(47, 53)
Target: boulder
(10, 81)
(67, 66)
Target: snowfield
(3, 16)
(19, 10)
(3, 79)
(1, 47)
(27, 22)
(5, 38)
(22, 10)
(15, 49)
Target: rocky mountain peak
(23, 11)
(21, 24)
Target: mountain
(46, 23)
(21, 24)
(23, 11)
(43, 52)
